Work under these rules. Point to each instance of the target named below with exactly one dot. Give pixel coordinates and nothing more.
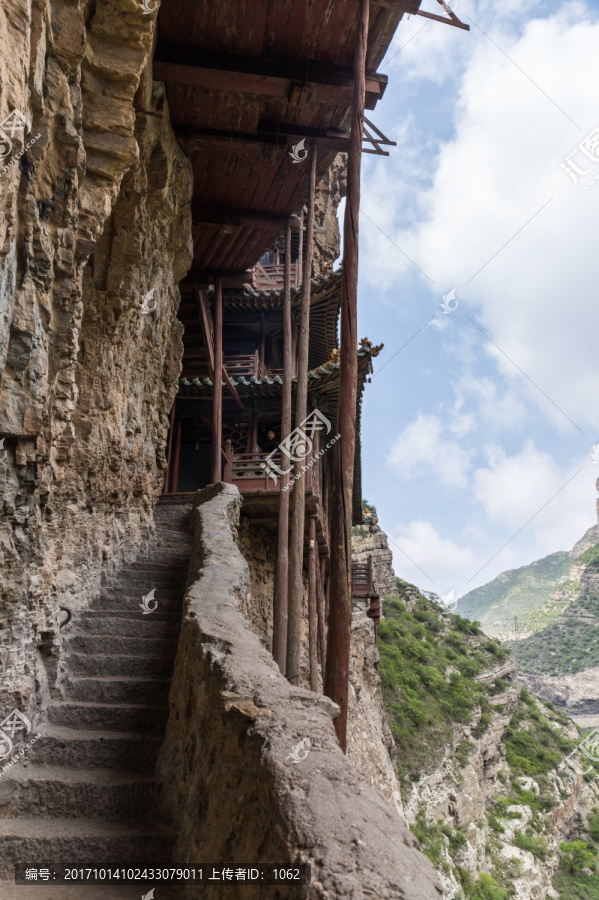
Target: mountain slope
(537, 593)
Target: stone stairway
(85, 792)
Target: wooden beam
(217, 393)
(203, 278)
(338, 655)
(266, 77)
(296, 554)
(204, 214)
(281, 592)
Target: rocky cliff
(94, 215)
(370, 540)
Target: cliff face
(94, 216)
(370, 540)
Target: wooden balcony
(246, 472)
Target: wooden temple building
(263, 95)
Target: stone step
(58, 792)
(143, 576)
(167, 600)
(115, 664)
(108, 717)
(117, 690)
(119, 616)
(59, 746)
(113, 644)
(81, 842)
(127, 624)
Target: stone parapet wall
(229, 782)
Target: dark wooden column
(165, 489)
(217, 395)
(337, 671)
(296, 547)
(320, 604)
(281, 596)
(313, 605)
(177, 459)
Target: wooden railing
(244, 364)
(364, 588)
(245, 471)
(270, 278)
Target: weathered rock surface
(94, 215)
(231, 783)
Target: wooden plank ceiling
(245, 81)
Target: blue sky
(487, 418)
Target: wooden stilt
(296, 551)
(313, 605)
(320, 613)
(177, 459)
(281, 596)
(337, 671)
(217, 396)
(169, 448)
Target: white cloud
(421, 448)
(536, 298)
(420, 549)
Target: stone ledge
(232, 784)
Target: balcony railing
(246, 365)
(245, 472)
(270, 278)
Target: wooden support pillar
(296, 553)
(262, 343)
(320, 612)
(313, 604)
(169, 448)
(338, 655)
(281, 596)
(217, 395)
(177, 459)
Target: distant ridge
(537, 593)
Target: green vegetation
(564, 648)
(590, 557)
(533, 744)
(486, 888)
(524, 592)
(577, 878)
(429, 663)
(576, 856)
